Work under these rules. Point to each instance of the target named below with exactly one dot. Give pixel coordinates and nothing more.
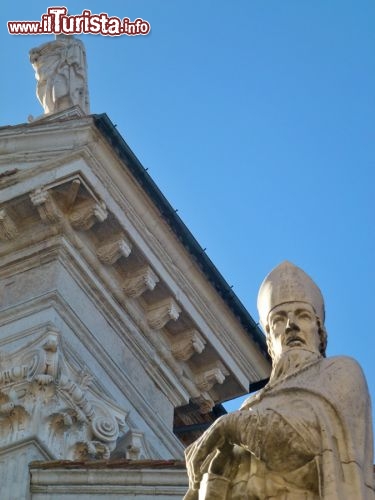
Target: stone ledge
(103, 480)
(107, 464)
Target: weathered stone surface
(308, 433)
(42, 400)
(84, 216)
(114, 480)
(14, 469)
(77, 334)
(214, 373)
(140, 281)
(186, 344)
(85, 200)
(8, 229)
(61, 74)
(160, 313)
(111, 251)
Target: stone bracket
(110, 252)
(215, 373)
(161, 312)
(186, 344)
(46, 206)
(85, 215)
(139, 282)
(8, 228)
(204, 402)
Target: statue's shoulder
(341, 363)
(250, 401)
(345, 370)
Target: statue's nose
(290, 324)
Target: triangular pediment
(77, 200)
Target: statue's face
(292, 325)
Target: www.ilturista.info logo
(57, 21)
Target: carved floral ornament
(41, 398)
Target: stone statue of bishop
(308, 433)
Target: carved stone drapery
(61, 73)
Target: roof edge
(120, 147)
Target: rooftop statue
(61, 74)
(307, 434)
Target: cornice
(113, 137)
(86, 213)
(78, 131)
(101, 203)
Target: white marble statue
(308, 433)
(61, 73)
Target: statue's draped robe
(313, 439)
(61, 75)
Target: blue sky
(256, 120)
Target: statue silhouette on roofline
(61, 73)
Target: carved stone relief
(186, 344)
(211, 375)
(71, 205)
(8, 228)
(42, 398)
(47, 208)
(86, 214)
(140, 281)
(110, 252)
(160, 313)
(204, 402)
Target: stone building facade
(119, 338)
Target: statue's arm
(263, 432)
(284, 429)
(284, 439)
